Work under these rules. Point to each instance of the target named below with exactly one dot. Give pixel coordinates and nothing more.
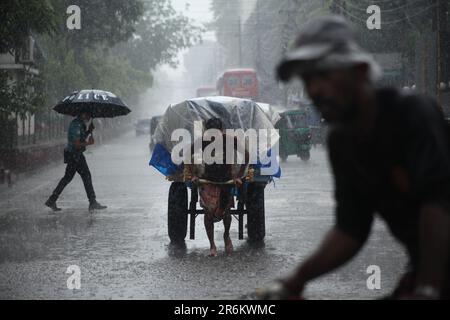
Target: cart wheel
(256, 225)
(305, 155)
(177, 211)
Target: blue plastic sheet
(162, 160)
(260, 165)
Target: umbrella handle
(90, 126)
(90, 136)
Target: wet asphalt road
(124, 252)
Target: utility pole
(442, 57)
(240, 41)
(438, 51)
(258, 38)
(214, 75)
(290, 29)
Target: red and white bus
(239, 83)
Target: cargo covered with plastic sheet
(269, 110)
(235, 114)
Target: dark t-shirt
(403, 164)
(77, 131)
(219, 172)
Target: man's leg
(68, 176)
(209, 226)
(226, 200)
(85, 174)
(226, 235)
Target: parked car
(142, 127)
(154, 121)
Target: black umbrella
(101, 104)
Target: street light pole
(258, 38)
(438, 51)
(240, 41)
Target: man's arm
(79, 145)
(189, 160)
(76, 130)
(434, 238)
(336, 249)
(90, 128)
(246, 161)
(428, 169)
(239, 147)
(354, 217)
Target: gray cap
(325, 43)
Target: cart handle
(248, 176)
(204, 181)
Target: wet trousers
(76, 164)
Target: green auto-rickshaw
(295, 134)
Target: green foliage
(160, 34)
(103, 22)
(119, 43)
(92, 68)
(20, 97)
(61, 72)
(19, 17)
(115, 74)
(117, 46)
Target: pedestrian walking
(79, 137)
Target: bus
(239, 83)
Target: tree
(103, 22)
(160, 33)
(20, 97)
(60, 71)
(21, 17)
(119, 43)
(115, 74)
